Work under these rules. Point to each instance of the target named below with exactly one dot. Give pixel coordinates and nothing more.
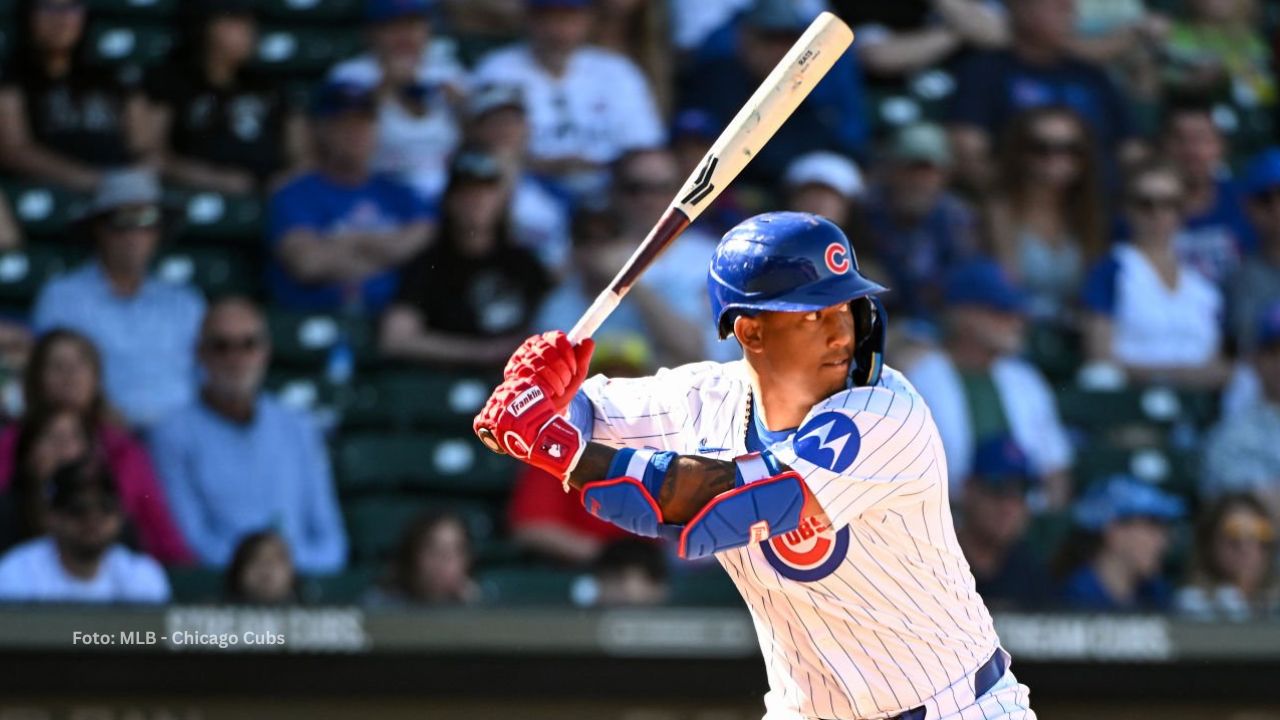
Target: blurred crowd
(1075, 203)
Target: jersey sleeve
(644, 412)
(867, 448)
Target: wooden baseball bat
(812, 56)
(790, 82)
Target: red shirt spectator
(552, 523)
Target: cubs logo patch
(830, 440)
(810, 552)
(837, 258)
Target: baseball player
(809, 469)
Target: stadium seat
(23, 272)
(43, 210)
(708, 587)
(129, 43)
(456, 463)
(527, 586)
(1172, 470)
(304, 340)
(344, 588)
(136, 9)
(306, 51)
(215, 270)
(1056, 351)
(196, 584)
(421, 398)
(376, 522)
(1103, 409)
(214, 216)
(1046, 533)
(308, 11)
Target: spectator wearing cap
(1112, 561)
(63, 119)
(1233, 563)
(827, 184)
(1038, 68)
(1147, 312)
(418, 86)
(978, 388)
(497, 125)
(831, 118)
(586, 105)
(668, 304)
(919, 229)
(235, 460)
(1216, 234)
(471, 297)
(220, 126)
(1256, 282)
(1242, 454)
(339, 234)
(897, 40)
(992, 530)
(1047, 216)
(81, 559)
(143, 327)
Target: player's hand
(522, 421)
(558, 366)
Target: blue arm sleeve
(581, 416)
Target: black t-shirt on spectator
(83, 119)
(239, 126)
(1022, 582)
(480, 297)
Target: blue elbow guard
(745, 515)
(624, 502)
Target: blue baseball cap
(1263, 172)
(336, 98)
(1000, 465)
(380, 11)
(696, 123)
(983, 282)
(1121, 497)
(1268, 331)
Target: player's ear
(747, 331)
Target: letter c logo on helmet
(837, 258)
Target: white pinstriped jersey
(865, 618)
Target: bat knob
(486, 437)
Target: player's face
(806, 352)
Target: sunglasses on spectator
(1255, 529)
(225, 344)
(133, 219)
(85, 506)
(637, 186)
(60, 6)
(1152, 203)
(1268, 196)
(1047, 147)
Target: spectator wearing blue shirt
(339, 234)
(1216, 234)
(236, 461)
(832, 118)
(143, 327)
(919, 230)
(1256, 283)
(1038, 69)
(1112, 560)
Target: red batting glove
(557, 365)
(526, 425)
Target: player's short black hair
(627, 553)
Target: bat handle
(601, 308)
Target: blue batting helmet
(796, 262)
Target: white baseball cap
(827, 168)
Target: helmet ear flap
(869, 322)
